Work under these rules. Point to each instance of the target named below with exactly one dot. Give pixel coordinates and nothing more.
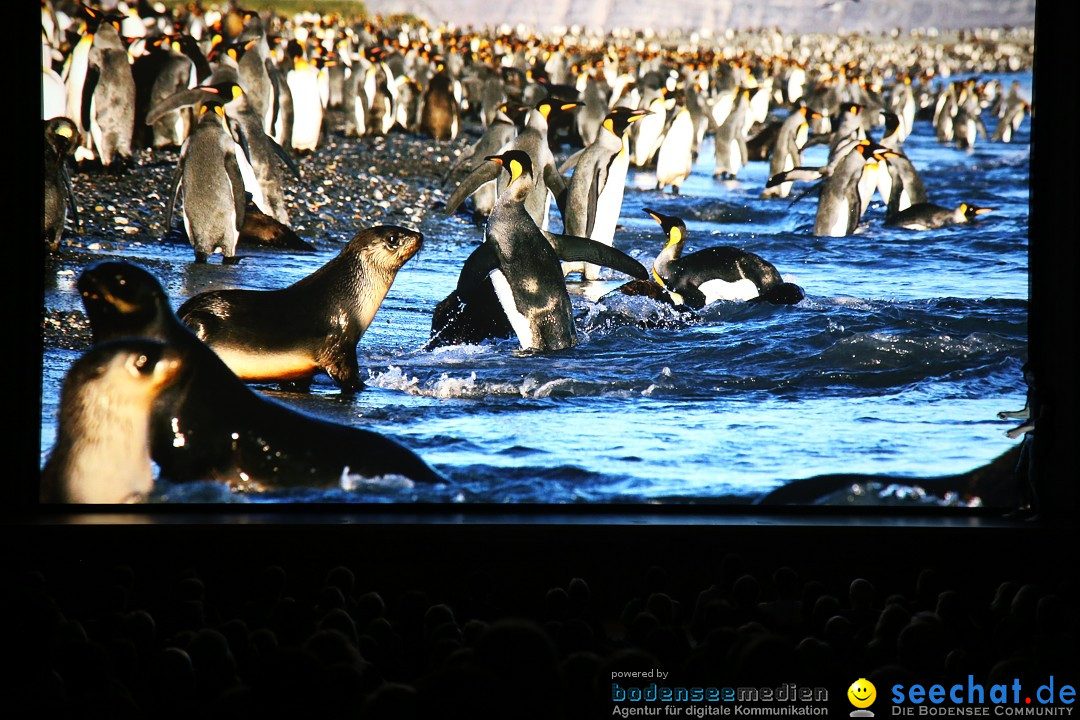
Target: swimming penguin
(209, 175)
(595, 192)
(61, 138)
(715, 273)
(209, 425)
(787, 150)
(314, 324)
(928, 216)
(532, 140)
(102, 449)
(675, 159)
(521, 263)
(439, 106)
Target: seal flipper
(571, 248)
(483, 174)
(343, 369)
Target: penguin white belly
(251, 182)
(648, 134)
(360, 115)
(674, 161)
(884, 185)
(905, 200)
(53, 96)
(521, 324)
(867, 183)
(714, 290)
(307, 111)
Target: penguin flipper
(571, 162)
(182, 99)
(232, 169)
(93, 74)
(462, 161)
(799, 174)
(555, 182)
(571, 248)
(71, 198)
(285, 157)
(477, 267)
(174, 192)
(595, 188)
(240, 137)
(485, 173)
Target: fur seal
(209, 425)
(311, 325)
(102, 450)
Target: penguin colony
(238, 96)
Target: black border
(1052, 335)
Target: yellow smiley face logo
(862, 693)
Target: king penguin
(533, 141)
(675, 159)
(595, 192)
(439, 105)
(61, 137)
(214, 198)
(715, 273)
(512, 283)
(928, 216)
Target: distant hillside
(713, 15)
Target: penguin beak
(982, 210)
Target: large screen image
(710, 259)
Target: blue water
(906, 347)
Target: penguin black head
(549, 105)
(674, 228)
(971, 212)
(123, 300)
(61, 135)
(213, 105)
(223, 93)
(892, 122)
(516, 162)
(619, 119)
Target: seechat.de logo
(862, 694)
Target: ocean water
(906, 347)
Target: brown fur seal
(209, 425)
(312, 325)
(102, 450)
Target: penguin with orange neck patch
(519, 264)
